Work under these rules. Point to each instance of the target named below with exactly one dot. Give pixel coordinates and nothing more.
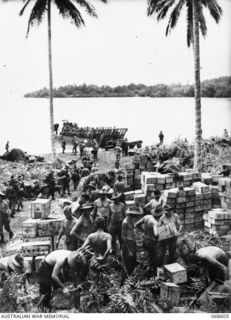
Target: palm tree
(195, 23)
(66, 9)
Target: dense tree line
(214, 88)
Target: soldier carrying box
(173, 222)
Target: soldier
(102, 206)
(53, 271)
(21, 192)
(118, 152)
(84, 226)
(63, 144)
(4, 218)
(81, 148)
(7, 146)
(12, 195)
(56, 128)
(50, 181)
(161, 137)
(100, 242)
(67, 225)
(44, 192)
(64, 180)
(75, 144)
(116, 216)
(172, 220)
(129, 242)
(149, 226)
(75, 176)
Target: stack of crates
(225, 193)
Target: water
(25, 121)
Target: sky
(122, 46)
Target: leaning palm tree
(195, 23)
(66, 9)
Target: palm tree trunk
(197, 88)
(53, 152)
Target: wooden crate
(30, 228)
(40, 208)
(49, 227)
(37, 248)
(175, 272)
(167, 231)
(170, 292)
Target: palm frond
(189, 23)
(164, 8)
(152, 5)
(88, 7)
(214, 9)
(202, 22)
(174, 16)
(24, 7)
(37, 14)
(68, 10)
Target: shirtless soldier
(149, 226)
(115, 219)
(100, 243)
(52, 271)
(84, 226)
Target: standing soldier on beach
(63, 144)
(7, 146)
(21, 192)
(75, 177)
(12, 195)
(50, 181)
(64, 180)
(161, 137)
(81, 148)
(118, 152)
(75, 144)
(4, 218)
(94, 151)
(56, 128)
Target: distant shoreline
(214, 88)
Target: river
(25, 121)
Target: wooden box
(170, 292)
(30, 228)
(175, 272)
(37, 248)
(49, 227)
(167, 231)
(40, 208)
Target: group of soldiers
(82, 148)
(98, 224)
